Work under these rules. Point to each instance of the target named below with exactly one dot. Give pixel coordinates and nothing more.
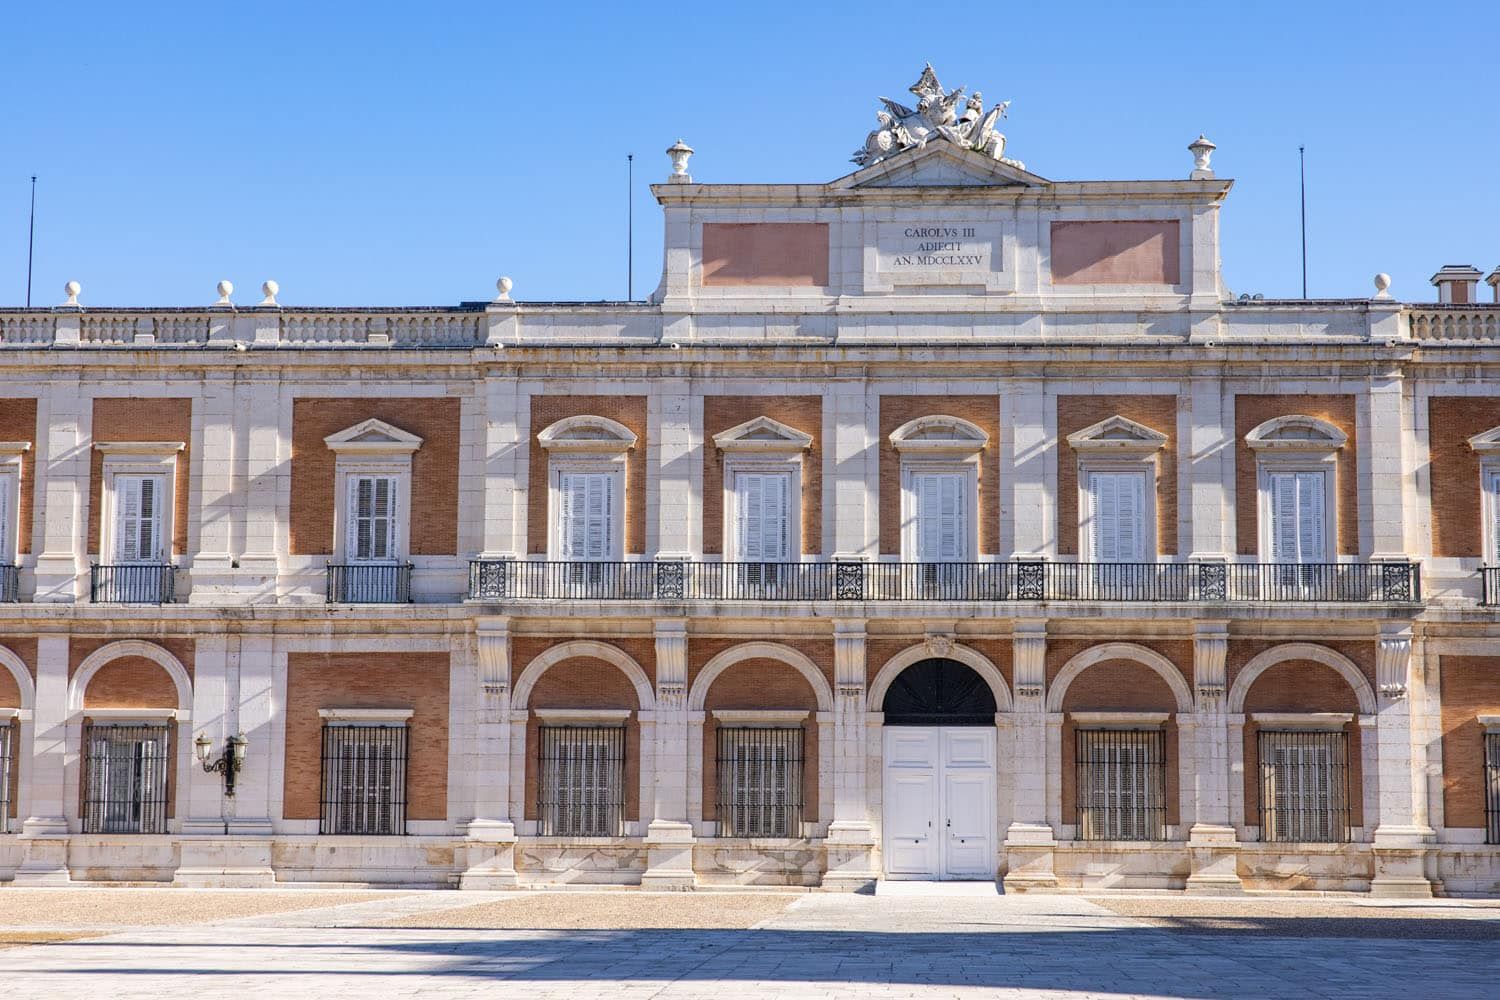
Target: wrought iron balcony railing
(1490, 576)
(502, 580)
(369, 583)
(10, 584)
(133, 583)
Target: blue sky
(410, 154)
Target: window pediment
(373, 437)
(587, 433)
(1487, 443)
(1118, 435)
(939, 434)
(1296, 432)
(763, 435)
(129, 448)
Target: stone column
(1030, 843)
(62, 473)
(1384, 449)
(846, 459)
(502, 452)
(673, 442)
(849, 848)
(1029, 424)
(206, 813)
(264, 467)
(44, 860)
(214, 460)
(669, 837)
(1210, 472)
(1213, 846)
(491, 834)
(1402, 839)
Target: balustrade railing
(369, 583)
(1393, 582)
(133, 583)
(1455, 322)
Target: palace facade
(940, 521)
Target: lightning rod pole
(30, 241)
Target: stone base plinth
(669, 857)
(1030, 859)
(224, 863)
(849, 858)
(1213, 858)
(45, 862)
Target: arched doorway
(939, 773)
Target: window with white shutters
(1117, 503)
(1303, 786)
(763, 531)
(5, 772)
(1492, 488)
(581, 786)
(1121, 784)
(9, 490)
(1298, 533)
(760, 781)
(138, 514)
(371, 519)
(364, 780)
(125, 769)
(942, 516)
(586, 515)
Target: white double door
(939, 802)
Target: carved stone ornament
(938, 115)
(939, 645)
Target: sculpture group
(938, 114)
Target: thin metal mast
(30, 241)
(629, 227)
(1302, 168)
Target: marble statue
(938, 114)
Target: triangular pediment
(762, 434)
(939, 163)
(1487, 443)
(373, 437)
(1119, 434)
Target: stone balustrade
(1453, 322)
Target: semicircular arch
(107, 654)
(803, 664)
(1158, 663)
(1266, 659)
(977, 661)
(591, 649)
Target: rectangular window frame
(8, 767)
(581, 774)
(752, 799)
(12, 455)
(1297, 821)
(347, 473)
(1489, 479)
(558, 469)
(736, 467)
(126, 790)
(372, 753)
(1143, 470)
(1491, 766)
(911, 505)
(1102, 783)
(1270, 464)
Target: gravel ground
(20, 939)
(608, 911)
(98, 907)
(1445, 920)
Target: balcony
(1207, 582)
(369, 583)
(133, 583)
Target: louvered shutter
(762, 502)
(775, 514)
(600, 516)
(138, 518)
(752, 523)
(1104, 514)
(1283, 518)
(942, 516)
(1131, 493)
(587, 515)
(1117, 505)
(1494, 551)
(8, 488)
(1310, 532)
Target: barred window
(5, 773)
(1121, 783)
(581, 786)
(364, 779)
(760, 782)
(1304, 793)
(1492, 788)
(125, 777)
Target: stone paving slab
(822, 946)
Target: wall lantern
(230, 761)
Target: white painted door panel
(939, 802)
(911, 838)
(968, 851)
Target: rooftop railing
(670, 580)
(1455, 322)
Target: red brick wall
(142, 420)
(983, 411)
(1301, 686)
(1470, 687)
(1116, 252)
(805, 413)
(418, 681)
(548, 410)
(80, 650)
(701, 650)
(434, 469)
(1457, 528)
(765, 253)
(18, 423)
(1061, 649)
(761, 684)
(1252, 411)
(1118, 686)
(1074, 413)
(131, 682)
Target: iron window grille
(1121, 784)
(5, 772)
(1304, 786)
(125, 784)
(760, 782)
(364, 780)
(581, 786)
(1492, 788)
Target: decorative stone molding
(762, 434)
(366, 715)
(1030, 656)
(373, 437)
(671, 664)
(1210, 650)
(494, 656)
(698, 697)
(938, 435)
(1393, 661)
(1296, 432)
(1118, 435)
(587, 433)
(939, 645)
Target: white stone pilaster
(673, 441)
(1383, 453)
(45, 859)
(491, 832)
(62, 473)
(267, 466)
(206, 802)
(1213, 845)
(669, 836)
(1400, 840)
(1029, 421)
(1029, 842)
(214, 461)
(850, 844)
(254, 702)
(847, 534)
(1209, 471)
(503, 448)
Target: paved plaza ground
(903, 942)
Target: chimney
(1493, 280)
(1457, 284)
